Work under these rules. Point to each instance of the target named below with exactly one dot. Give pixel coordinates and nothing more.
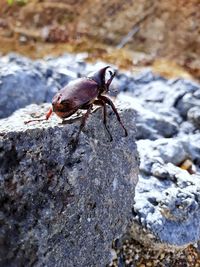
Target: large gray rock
(60, 206)
(20, 84)
(166, 211)
(194, 115)
(151, 125)
(23, 82)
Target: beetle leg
(48, 114)
(84, 118)
(101, 103)
(109, 102)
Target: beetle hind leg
(48, 114)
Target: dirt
(160, 31)
(133, 254)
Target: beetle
(83, 93)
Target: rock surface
(167, 201)
(60, 206)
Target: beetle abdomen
(73, 96)
(80, 91)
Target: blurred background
(129, 33)
(163, 36)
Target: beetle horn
(99, 76)
(112, 75)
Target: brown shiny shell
(74, 96)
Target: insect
(83, 93)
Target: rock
(179, 88)
(167, 198)
(186, 103)
(194, 116)
(150, 125)
(157, 93)
(186, 127)
(19, 86)
(60, 206)
(167, 211)
(70, 64)
(23, 81)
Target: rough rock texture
(59, 206)
(19, 85)
(167, 202)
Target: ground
(164, 34)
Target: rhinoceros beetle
(83, 93)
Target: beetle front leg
(48, 114)
(110, 103)
(101, 103)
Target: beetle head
(100, 77)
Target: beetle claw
(126, 133)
